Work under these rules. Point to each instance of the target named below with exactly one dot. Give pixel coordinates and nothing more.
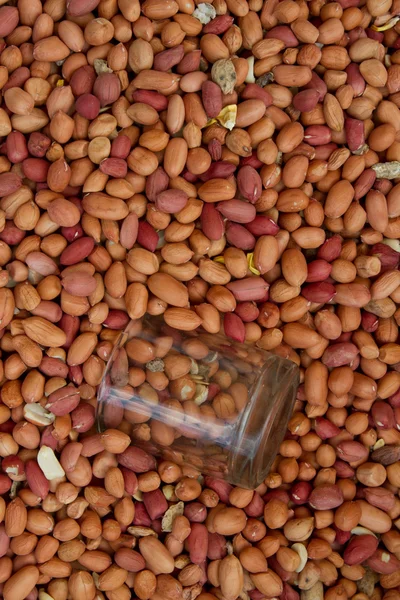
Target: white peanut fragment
(302, 552)
(35, 413)
(49, 463)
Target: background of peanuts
(234, 166)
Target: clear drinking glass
(198, 399)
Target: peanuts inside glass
(198, 399)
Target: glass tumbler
(198, 399)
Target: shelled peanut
(231, 166)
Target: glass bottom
(265, 424)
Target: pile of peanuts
(232, 166)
